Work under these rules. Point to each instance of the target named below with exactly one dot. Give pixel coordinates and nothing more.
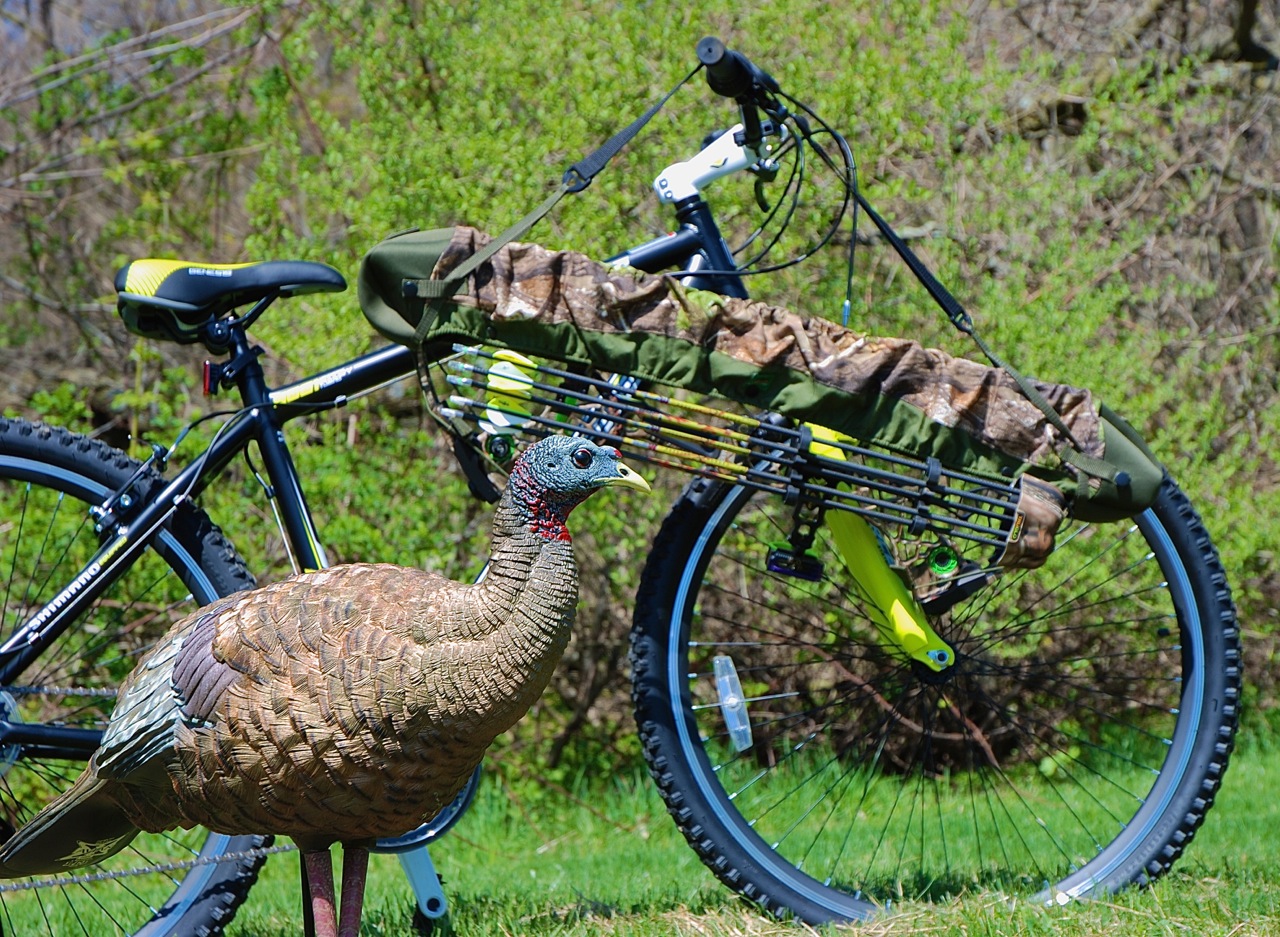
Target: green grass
(539, 862)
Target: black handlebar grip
(730, 73)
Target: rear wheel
(184, 882)
(1072, 749)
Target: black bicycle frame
(131, 530)
(695, 246)
(130, 525)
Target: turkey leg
(319, 870)
(355, 866)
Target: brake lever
(759, 190)
(765, 170)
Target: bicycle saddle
(174, 299)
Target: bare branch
(77, 309)
(89, 120)
(112, 52)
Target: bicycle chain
(100, 692)
(161, 868)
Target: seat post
(244, 369)
(284, 488)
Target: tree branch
(78, 309)
(111, 52)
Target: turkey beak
(627, 477)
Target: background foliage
(1093, 179)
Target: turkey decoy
(341, 705)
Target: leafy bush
(1109, 226)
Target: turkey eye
(582, 458)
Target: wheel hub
(932, 677)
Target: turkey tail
(82, 826)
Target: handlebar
(767, 130)
(731, 74)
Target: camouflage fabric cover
(890, 392)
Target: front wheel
(178, 883)
(1072, 749)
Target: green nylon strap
(1072, 454)
(435, 290)
(576, 178)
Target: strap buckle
(574, 180)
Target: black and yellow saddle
(174, 299)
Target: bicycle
(842, 699)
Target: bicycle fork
(893, 608)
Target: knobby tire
(49, 477)
(1073, 750)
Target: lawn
(609, 861)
